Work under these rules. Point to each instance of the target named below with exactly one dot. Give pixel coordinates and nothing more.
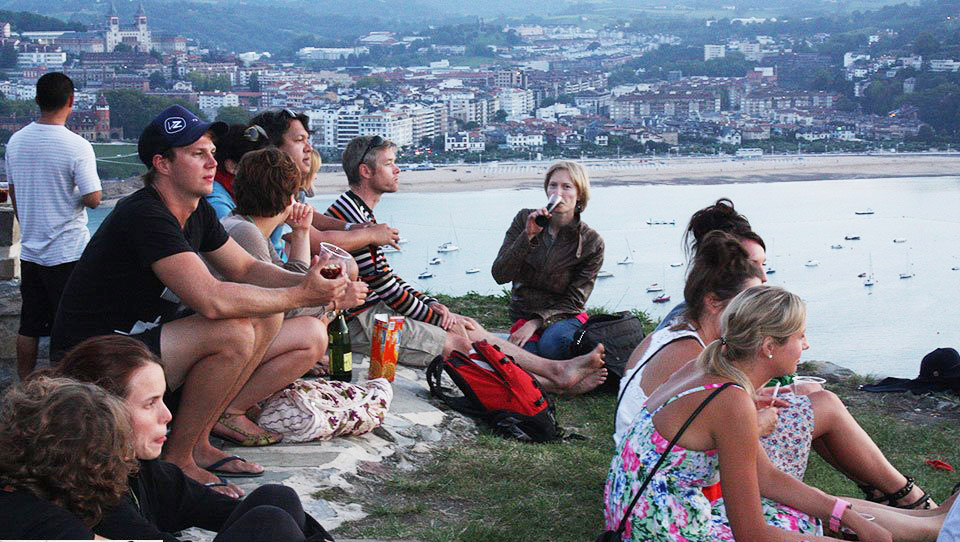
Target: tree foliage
(134, 110)
(204, 82)
(233, 115)
(25, 21)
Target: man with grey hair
(431, 328)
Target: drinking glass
(333, 263)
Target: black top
(113, 286)
(25, 516)
(166, 501)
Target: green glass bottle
(341, 354)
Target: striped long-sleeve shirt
(376, 271)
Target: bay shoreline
(709, 170)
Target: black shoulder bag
(616, 536)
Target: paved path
(412, 427)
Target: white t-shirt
(950, 531)
(51, 169)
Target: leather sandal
(890, 499)
(250, 439)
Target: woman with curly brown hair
(66, 450)
(160, 499)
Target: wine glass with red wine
(333, 260)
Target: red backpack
(496, 390)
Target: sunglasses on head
(289, 113)
(255, 133)
(377, 141)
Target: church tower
(102, 112)
(143, 37)
(112, 30)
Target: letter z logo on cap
(174, 125)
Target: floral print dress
(673, 507)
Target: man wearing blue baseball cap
(141, 275)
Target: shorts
(40, 289)
(420, 342)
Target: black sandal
(890, 499)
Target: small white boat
(425, 275)
(836, 247)
(869, 281)
(812, 263)
(655, 287)
(769, 270)
(627, 260)
(388, 249)
(955, 268)
(473, 270)
(402, 240)
(447, 247)
(436, 261)
(867, 211)
(906, 275)
(899, 240)
(676, 264)
(602, 274)
(851, 237)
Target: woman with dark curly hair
(66, 450)
(160, 499)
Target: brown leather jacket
(551, 281)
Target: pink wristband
(837, 514)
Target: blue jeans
(555, 341)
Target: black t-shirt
(166, 501)
(24, 516)
(113, 286)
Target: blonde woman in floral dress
(762, 338)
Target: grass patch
(490, 310)
(498, 489)
(113, 162)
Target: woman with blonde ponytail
(802, 418)
(761, 337)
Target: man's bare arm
(187, 276)
(92, 200)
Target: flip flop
(221, 483)
(215, 469)
(249, 439)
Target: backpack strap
(467, 404)
(626, 514)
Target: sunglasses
(255, 133)
(377, 141)
(289, 113)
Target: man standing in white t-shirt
(53, 177)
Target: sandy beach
(705, 170)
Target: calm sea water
(885, 329)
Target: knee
(268, 326)
(315, 338)
(265, 522)
(826, 403)
(278, 496)
(237, 337)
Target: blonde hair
(755, 314)
(315, 163)
(579, 177)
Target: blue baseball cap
(176, 126)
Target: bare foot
(205, 454)
(569, 373)
(589, 382)
(213, 482)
